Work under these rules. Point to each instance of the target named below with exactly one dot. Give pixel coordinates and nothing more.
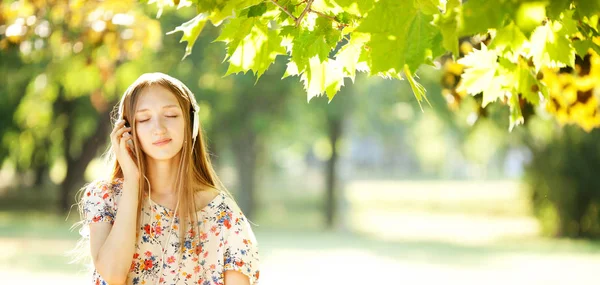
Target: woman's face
(159, 123)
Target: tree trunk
(76, 165)
(42, 165)
(246, 162)
(41, 172)
(334, 132)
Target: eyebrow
(164, 107)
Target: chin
(163, 154)
(162, 157)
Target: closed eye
(141, 121)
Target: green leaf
(418, 89)
(384, 55)
(448, 25)
(437, 49)
(234, 32)
(428, 7)
(587, 8)
(480, 75)
(544, 90)
(569, 23)
(550, 47)
(516, 116)
(344, 17)
(494, 91)
(388, 25)
(306, 45)
(480, 69)
(582, 47)
(289, 31)
(220, 10)
(209, 5)
(257, 10)
(555, 7)
(588, 30)
(509, 37)
(526, 83)
(452, 4)
(255, 50)
(349, 55)
(420, 40)
(191, 30)
(324, 28)
(400, 34)
(322, 77)
(362, 6)
(289, 5)
(318, 42)
(481, 15)
(291, 70)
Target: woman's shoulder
(104, 187)
(224, 209)
(219, 202)
(99, 202)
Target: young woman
(162, 216)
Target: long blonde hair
(195, 171)
(195, 168)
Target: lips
(161, 142)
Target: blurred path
(337, 258)
(435, 233)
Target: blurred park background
(365, 189)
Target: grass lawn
(427, 244)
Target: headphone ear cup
(121, 107)
(196, 125)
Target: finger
(121, 131)
(118, 125)
(130, 146)
(128, 139)
(123, 143)
(116, 136)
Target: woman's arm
(241, 264)
(112, 247)
(233, 277)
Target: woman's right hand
(118, 139)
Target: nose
(159, 127)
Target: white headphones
(196, 124)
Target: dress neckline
(204, 209)
(169, 210)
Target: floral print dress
(226, 240)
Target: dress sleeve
(241, 248)
(98, 203)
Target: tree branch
(284, 10)
(308, 4)
(323, 15)
(306, 10)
